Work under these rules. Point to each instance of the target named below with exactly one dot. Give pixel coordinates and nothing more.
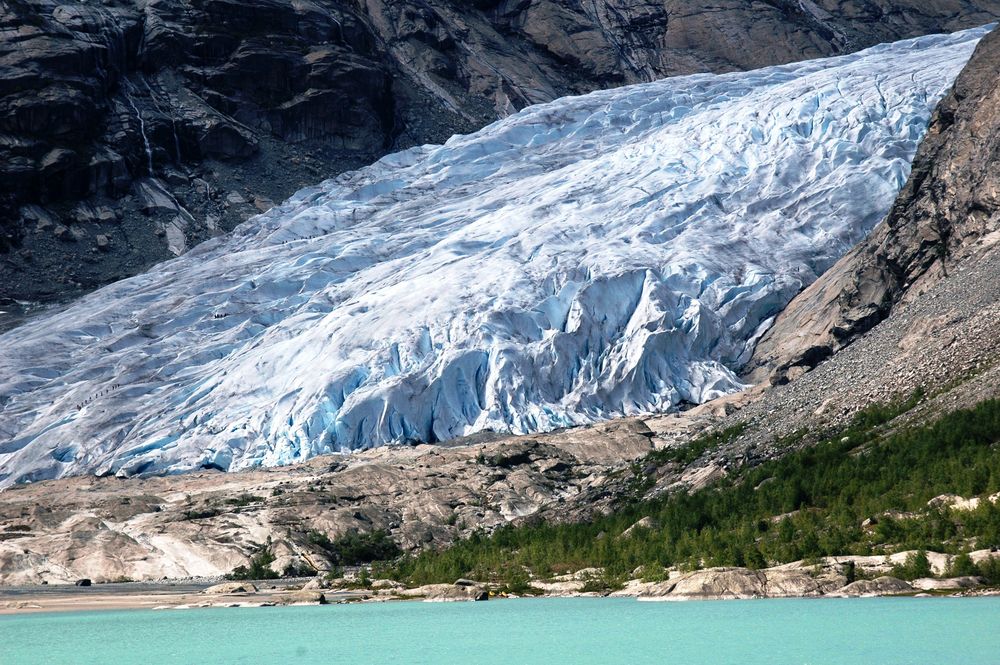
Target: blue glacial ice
(596, 256)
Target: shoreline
(15, 601)
(123, 596)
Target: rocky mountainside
(205, 524)
(131, 130)
(944, 221)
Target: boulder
(794, 584)
(262, 204)
(235, 198)
(647, 523)
(947, 584)
(720, 583)
(37, 217)
(306, 597)
(980, 556)
(880, 586)
(559, 588)
(229, 588)
(447, 593)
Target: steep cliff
(132, 129)
(943, 221)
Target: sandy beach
(145, 596)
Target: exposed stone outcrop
(101, 102)
(742, 583)
(880, 586)
(946, 584)
(793, 580)
(644, 523)
(956, 502)
(306, 597)
(717, 583)
(446, 593)
(946, 217)
(206, 524)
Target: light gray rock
(880, 586)
(947, 584)
(738, 583)
(305, 597)
(443, 593)
(645, 523)
(714, 583)
(235, 198)
(229, 588)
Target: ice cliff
(597, 256)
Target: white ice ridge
(597, 256)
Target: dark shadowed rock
(267, 96)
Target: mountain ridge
(209, 96)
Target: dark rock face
(947, 215)
(126, 126)
(130, 130)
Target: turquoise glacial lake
(877, 631)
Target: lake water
(878, 631)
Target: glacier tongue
(611, 254)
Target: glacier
(612, 254)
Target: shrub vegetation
(259, 568)
(812, 502)
(353, 549)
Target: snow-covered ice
(616, 253)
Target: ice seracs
(611, 254)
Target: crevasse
(597, 256)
